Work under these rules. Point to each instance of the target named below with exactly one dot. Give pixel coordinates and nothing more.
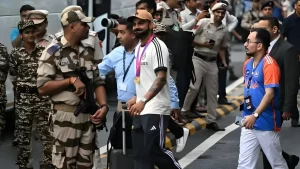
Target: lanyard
(252, 73)
(139, 57)
(126, 71)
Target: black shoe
(198, 114)
(224, 100)
(295, 123)
(44, 166)
(293, 162)
(214, 126)
(15, 142)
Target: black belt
(205, 58)
(27, 89)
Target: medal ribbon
(139, 57)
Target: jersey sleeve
(271, 73)
(160, 55)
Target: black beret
(268, 3)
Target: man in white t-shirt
(151, 108)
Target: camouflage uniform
(73, 143)
(46, 40)
(91, 42)
(3, 75)
(29, 106)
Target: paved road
(8, 153)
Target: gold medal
(137, 80)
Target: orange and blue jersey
(265, 75)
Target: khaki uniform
(73, 143)
(206, 70)
(46, 40)
(92, 41)
(249, 18)
(3, 76)
(29, 105)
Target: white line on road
(235, 84)
(229, 88)
(204, 146)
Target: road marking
(204, 146)
(229, 88)
(235, 84)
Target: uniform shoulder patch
(54, 48)
(92, 33)
(59, 34)
(52, 36)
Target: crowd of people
(170, 58)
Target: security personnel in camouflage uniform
(74, 136)
(3, 75)
(23, 64)
(39, 17)
(43, 38)
(92, 41)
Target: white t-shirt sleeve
(160, 55)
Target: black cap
(268, 3)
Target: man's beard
(250, 54)
(142, 34)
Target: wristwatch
(144, 100)
(255, 115)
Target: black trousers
(175, 129)
(148, 135)
(222, 75)
(295, 113)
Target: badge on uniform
(53, 49)
(248, 102)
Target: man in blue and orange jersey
(262, 118)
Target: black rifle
(87, 101)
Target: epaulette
(92, 33)
(59, 34)
(54, 48)
(52, 36)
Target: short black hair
(151, 4)
(129, 26)
(262, 36)
(26, 8)
(295, 2)
(273, 21)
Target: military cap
(25, 24)
(268, 3)
(219, 6)
(141, 14)
(37, 16)
(74, 16)
(159, 27)
(70, 8)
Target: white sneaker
(182, 141)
